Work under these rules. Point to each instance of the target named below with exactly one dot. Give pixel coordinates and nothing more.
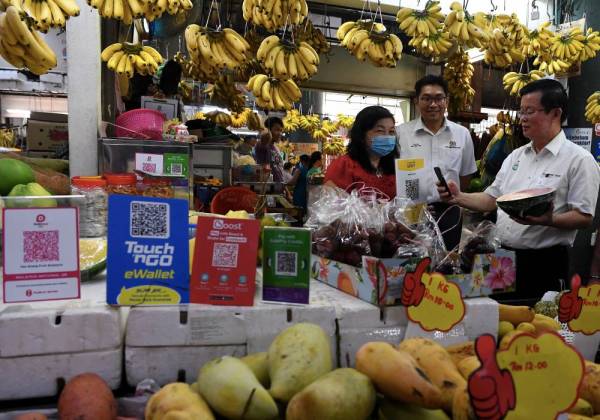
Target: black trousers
(449, 222)
(538, 271)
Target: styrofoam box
(44, 342)
(168, 343)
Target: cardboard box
(47, 131)
(380, 281)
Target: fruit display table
(46, 342)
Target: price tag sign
(431, 301)
(148, 163)
(535, 377)
(580, 308)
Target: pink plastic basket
(144, 124)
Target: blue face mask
(383, 145)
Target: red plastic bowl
(145, 124)
(234, 198)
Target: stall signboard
(40, 254)
(530, 378)
(580, 307)
(148, 248)
(431, 301)
(580, 136)
(224, 265)
(286, 264)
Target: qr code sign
(412, 188)
(225, 255)
(40, 246)
(286, 263)
(149, 220)
(176, 169)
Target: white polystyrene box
(163, 364)
(352, 339)
(27, 331)
(38, 376)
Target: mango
(177, 400)
(231, 389)
(338, 395)
(32, 189)
(527, 327)
(259, 365)
(504, 327)
(297, 357)
(583, 408)
(544, 323)
(14, 172)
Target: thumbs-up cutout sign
(492, 390)
(413, 290)
(570, 304)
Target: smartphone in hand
(440, 177)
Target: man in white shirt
(441, 143)
(549, 160)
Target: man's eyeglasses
(432, 99)
(526, 113)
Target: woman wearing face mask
(370, 154)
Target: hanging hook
(494, 7)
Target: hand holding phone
(440, 177)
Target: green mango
(14, 172)
(33, 189)
(258, 363)
(393, 410)
(231, 389)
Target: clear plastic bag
(480, 239)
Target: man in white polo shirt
(549, 160)
(440, 143)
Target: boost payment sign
(147, 261)
(41, 254)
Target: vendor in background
(299, 182)
(549, 160)
(266, 151)
(370, 154)
(315, 165)
(287, 172)
(441, 143)
(247, 146)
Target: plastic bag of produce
(479, 239)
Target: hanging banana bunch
(274, 94)
(21, 45)
(47, 13)
(274, 14)
(220, 118)
(334, 146)
(330, 126)
(220, 49)
(506, 43)
(592, 108)
(223, 92)
(286, 147)
(310, 123)
(185, 90)
(313, 36)
(538, 40)
(435, 45)
(591, 45)
(568, 46)
(283, 59)
(254, 122)
(551, 64)
(345, 121)
(291, 121)
(240, 119)
(156, 8)
(247, 70)
(421, 23)
(464, 28)
(127, 58)
(513, 82)
(458, 73)
(488, 21)
(366, 39)
(195, 71)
